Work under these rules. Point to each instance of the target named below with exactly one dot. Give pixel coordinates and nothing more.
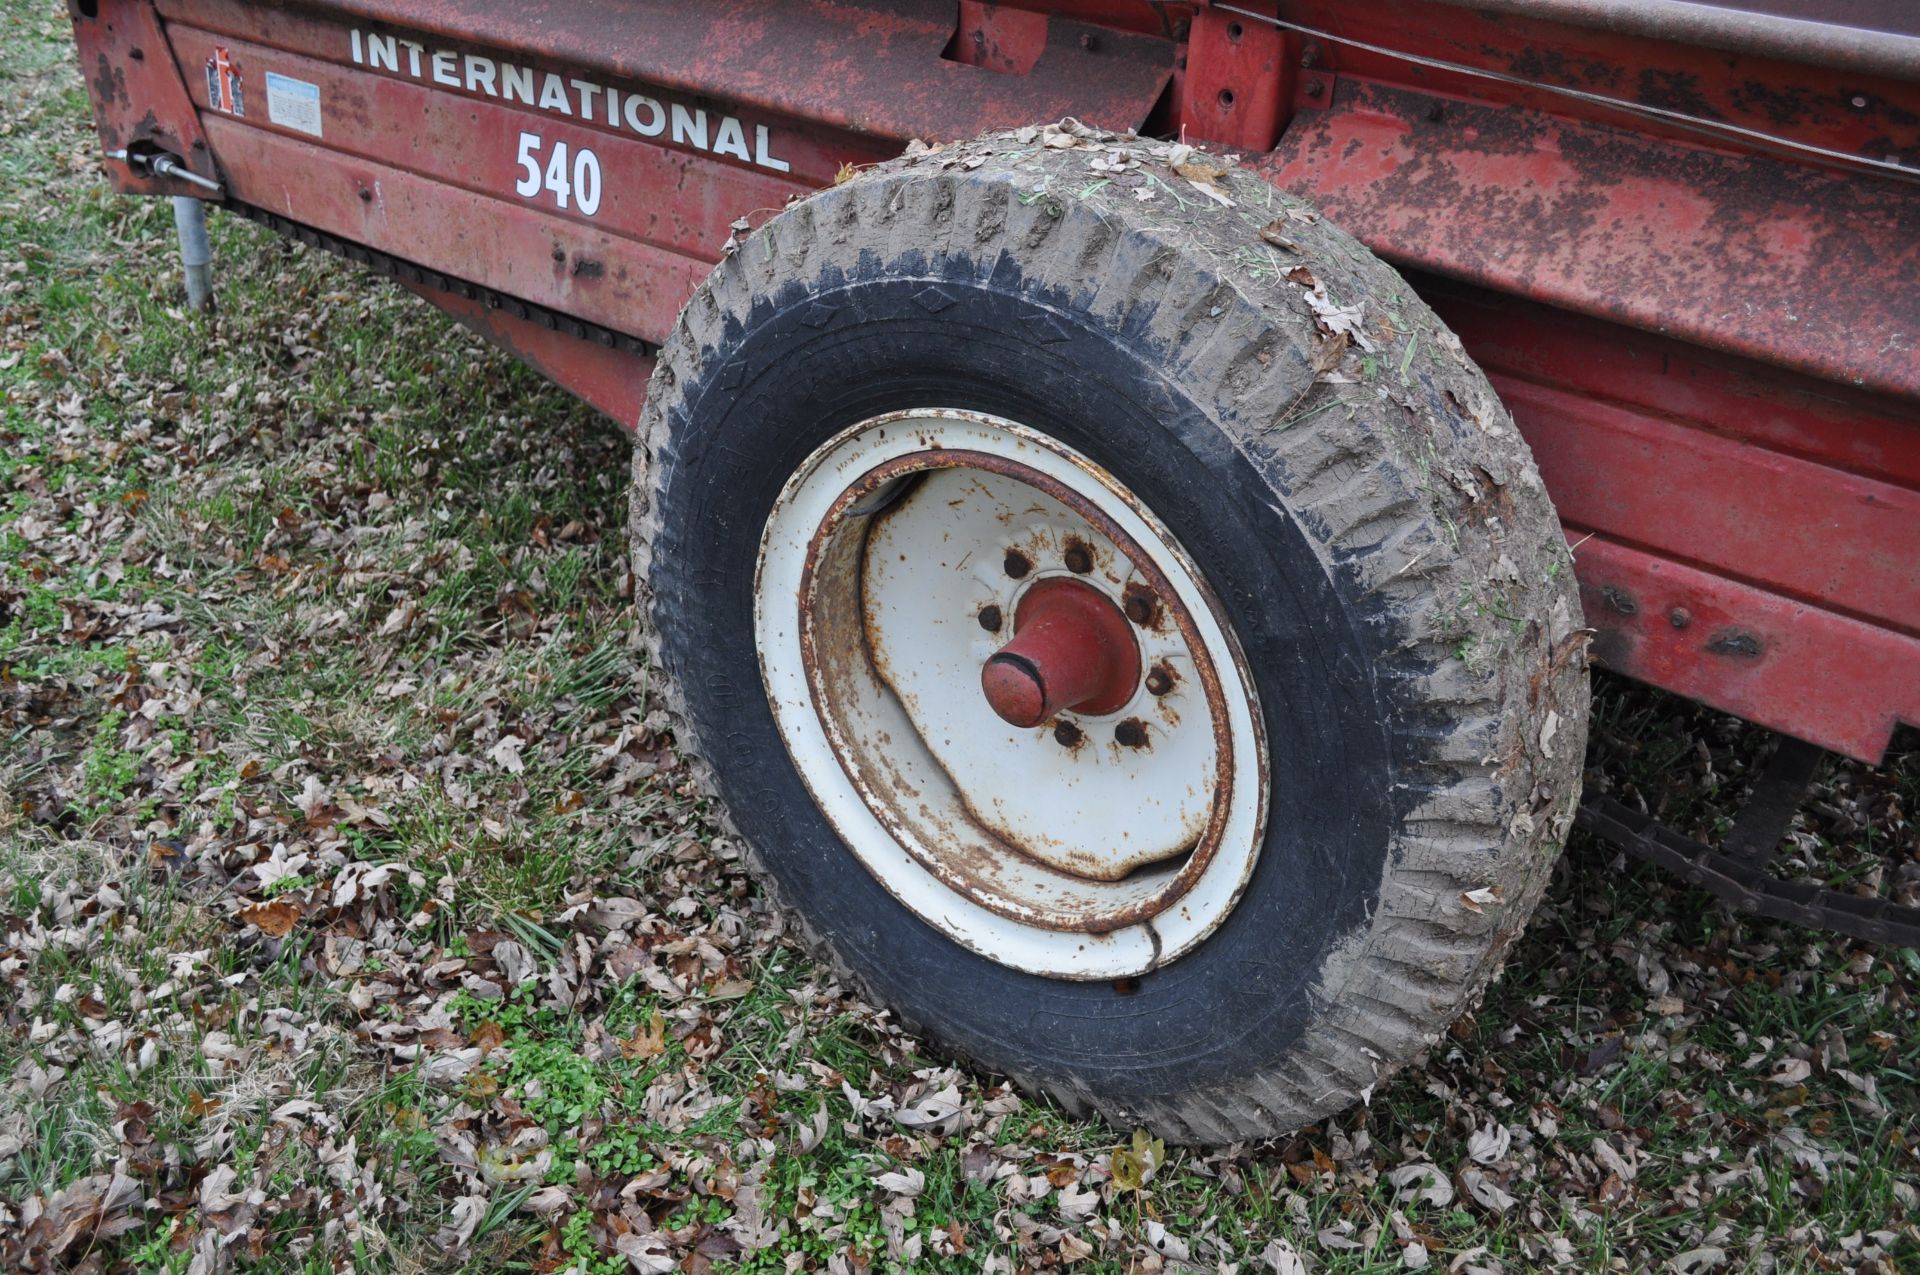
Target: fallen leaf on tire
(1548, 729)
(1475, 900)
(276, 918)
(1195, 170)
(1328, 353)
(1275, 233)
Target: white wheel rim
(1103, 858)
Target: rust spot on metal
(1126, 986)
(1735, 642)
(1079, 556)
(1142, 604)
(583, 268)
(1618, 599)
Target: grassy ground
(355, 913)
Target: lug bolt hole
(990, 618)
(1016, 564)
(1079, 559)
(1226, 99)
(1131, 733)
(1066, 734)
(1159, 680)
(1140, 605)
(1235, 31)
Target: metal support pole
(196, 257)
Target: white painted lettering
(553, 95)
(480, 75)
(516, 82)
(655, 122)
(685, 126)
(383, 50)
(731, 139)
(586, 89)
(649, 117)
(760, 153)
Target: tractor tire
(1118, 621)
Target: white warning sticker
(293, 103)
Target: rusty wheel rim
(932, 587)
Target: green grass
(278, 591)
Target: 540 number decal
(571, 176)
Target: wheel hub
(1011, 693)
(1072, 650)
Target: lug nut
(1066, 734)
(1159, 680)
(990, 618)
(1079, 559)
(1131, 733)
(1140, 606)
(1016, 564)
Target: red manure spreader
(1126, 494)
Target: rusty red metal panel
(868, 69)
(1842, 541)
(1737, 399)
(1849, 111)
(1745, 254)
(466, 76)
(1239, 80)
(1829, 679)
(518, 249)
(473, 144)
(1773, 514)
(1877, 36)
(608, 378)
(999, 37)
(137, 94)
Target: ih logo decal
(223, 83)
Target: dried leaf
(276, 918)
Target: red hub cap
(1071, 649)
